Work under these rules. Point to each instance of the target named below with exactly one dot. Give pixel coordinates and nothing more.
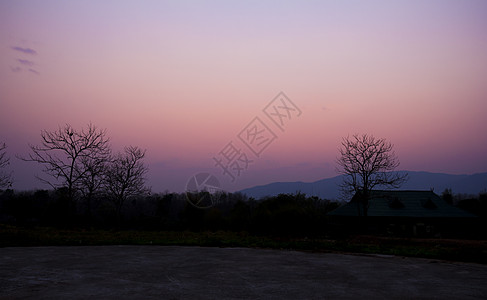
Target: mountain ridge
(328, 188)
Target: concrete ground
(159, 272)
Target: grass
(443, 249)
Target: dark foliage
(283, 215)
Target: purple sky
(182, 79)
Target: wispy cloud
(25, 50)
(15, 69)
(25, 62)
(34, 71)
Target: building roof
(415, 204)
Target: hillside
(329, 188)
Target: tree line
(282, 215)
(92, 186)
(295, 215)
(81, 166)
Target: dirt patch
(128, 272)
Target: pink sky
(183, 78)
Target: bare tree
(5, 178)
(66, 155)
(125, 177)
(93, 168)
(367, 163)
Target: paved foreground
(129, 272)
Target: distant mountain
(329, 188)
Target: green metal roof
(416, 204)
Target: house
(406, 213)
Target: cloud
(28, 64)
(34, 71)
(15, 69)
(25, 62)
(25, 50)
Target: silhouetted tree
(5, 177)
(367, 163)
(93, 168)
(66, 155)
(447, 196)
(125, 177)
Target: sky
(270, 87)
